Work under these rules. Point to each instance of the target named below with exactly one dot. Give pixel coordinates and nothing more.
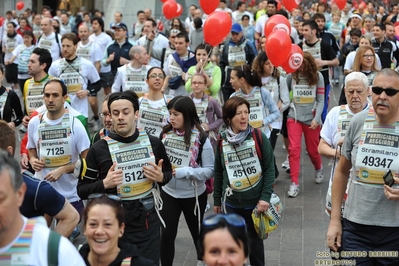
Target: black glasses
(102, 115)
(388, 91)
(231, 219)
(99, 195)
(368, 56)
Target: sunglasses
(389, 91)
(99, 195)
(231, 219)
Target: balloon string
(209, 54)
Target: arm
(107, 58)
(67, 218)
(160, 154)
(326, 150)
(274, 112)
(340, 182)
(205, 171)
(190, 73)
(284, 94)
(216, 80)
(319, 99)
(218, 176)
(267, 169)
(217, 110)
(119, 80)
(16, 106)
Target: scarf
(239, 138)
(195, 150)
(12, 35)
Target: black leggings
(273, 140)
(172, 208)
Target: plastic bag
(267, 222)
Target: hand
(24, 161)
(154, 172)
(111, 57)
(37, 164)
(81, 94)
(279, 105)
(392, 193)
(25, 121)
(199, 66)
(205, 126)
(262, 206)
(7, 62)
(151, 35)
(217, 209)
(313, 125)
(183, 76)
(319, 62)
(11, 125)
(334, 234)
(54, 175)
(114, 177)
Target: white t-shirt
(260, 24)
(88, 72)
(56, 48)
(237, 16)
(66, 185)
(67, 253)
(226, 9)
(95, 53)
(102, 40)
(351, 57)
(11, 45)
(17, 52)
(120, 78)
(166, 68)
(160, 42)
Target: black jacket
(126, 250)
(120, 51)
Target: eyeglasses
(197, 83)
(231, 219)
(102, 115)
(154, 76)
(368, 56)
(99, 195)
(389, 91)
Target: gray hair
(136, 49)
(357, 76)
(387, 72)
(8, 163)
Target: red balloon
(216, 27)
(169, 9)
(1, 21)
(209, 5)
(20, 5)
(396, 29)
(163, 1)
(294, 59)
(278, 4)
(278, 47)
(290, 4)
(340, 3)
(179, 10)
(277, 22)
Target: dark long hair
(186, 106)
(250, 76)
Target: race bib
(34, 98)
(236, 56)
(135, 81)
(130, 158)
(303, 94)
(179, 153)
(242, 165)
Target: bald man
(50, 40)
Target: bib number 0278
(175, 160)
(377, 161)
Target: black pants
(142, 228)
(172, 208)
(371, 239)
(256, 247)
(273, 140)
(12, 73)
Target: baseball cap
(355, 15)
(120, 26)
(236, 28)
